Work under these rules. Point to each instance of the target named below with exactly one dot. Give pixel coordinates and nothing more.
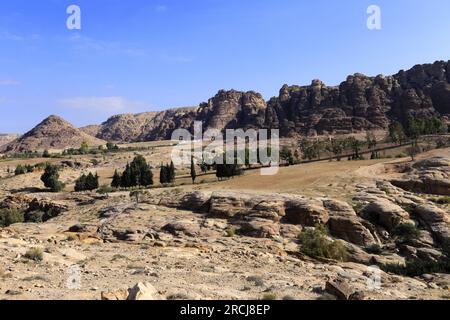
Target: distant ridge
(358, 104)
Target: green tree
(111, 146)
(371, 141)
(310, 149)
(20, 169)
(87, 182)
(286, 155)
(116, 180)
(172, 173)
(84, 148)
(137, 173)
(50, 178)
(193, 173)
(396, 133)
(413, 150)
(164, 174)
(46, 154)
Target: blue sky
(145, 55)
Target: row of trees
(137, 173)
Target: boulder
(272, 209)
(143, 291)
(437, 220)
(228, 204)
(339, 288)
(385, 213)
(351, 230)
(339, 208)
(115, 296)
(290, 231)
(196, 201)
(260, 228)
(429, 255)
(431, 213)
(186, 227)
(306, 212)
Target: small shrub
(257, 280)
(104, 189)
(35, 216)
(230, 231)
(374, 249)
(20, 170)
(407, 232)
(358, 207)
(10, 216)
(442, 200)
(34, 254)
(316, 243)
(269, 296)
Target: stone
(352, 230)
(339, 288)
(385, 213)
(197, 201)
(188, 228)
(260, 228)
(305, 212)
(143, 291)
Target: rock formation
(357, 104)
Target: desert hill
(52, 133)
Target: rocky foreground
(173, 244)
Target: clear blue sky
(142, 55)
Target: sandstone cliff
(359, 103)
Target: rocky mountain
(52, 133)
(6, 138)
(359, 103)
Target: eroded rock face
(359, 103)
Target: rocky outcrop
(430, 176)
(357, 104)
(46, 208)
